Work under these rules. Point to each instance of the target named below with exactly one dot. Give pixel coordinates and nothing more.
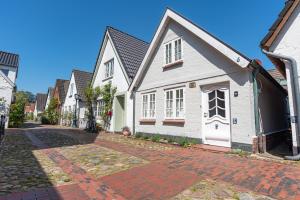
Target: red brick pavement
(170, 172)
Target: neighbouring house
(40, 103)
(74, 104)
(282, 46)
(9, 64)
(59, 93)
(278, 77)
(29, 109)
(191, 84)
(49, 96)
(119, 58)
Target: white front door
(216, 116)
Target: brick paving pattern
(167, 174)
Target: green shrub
(138, 135)
(184, 142)
(44, 120)
(155, 138)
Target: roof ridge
(110, 27)
(81, 71)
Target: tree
(91, 95)
(30, 96)
(16, 114)
(51, 112)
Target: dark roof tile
(41, 101)
(82, 80)
(9, 59)
(130, 49)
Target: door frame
(215, 86)
(124, 112)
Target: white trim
(174, 103)
(7, 79)
(148, 105)
(235, 57)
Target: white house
(9, 64)
(282, 46)
(49, 96)
(40, 103)
(191, 84)
(78, 82)
(119, 57)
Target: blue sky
(53, 37)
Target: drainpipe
(133, 115)
(293, 91)
(256, 111)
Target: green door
(119, 113)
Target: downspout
(295, 92)
(133, 115)
(255, 72)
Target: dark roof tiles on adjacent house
(41, 100)
(9, 59)
(281, 20)
(130, 49)
(82, 80)
(62, 86)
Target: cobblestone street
(48, 162)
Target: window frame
(148, 95)
(109, 69)
(98, 110)
(174, 117)
(173, 55)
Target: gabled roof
(129, 49)
(283, 17)
(62, 86)
(50, 91)
(220, 46)
(9, 59)
(41, 100)
(82, 80)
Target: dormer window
(173, 51)
(109, 68)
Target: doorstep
(212, 148)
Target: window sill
(173, 64)
(108, 78)
(147, 121)
(174, 121)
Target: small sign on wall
(192, 84)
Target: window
(168, 53)
(173, 55)
(100, 108)
(177, 46)
(5, 71)
(216, 103)
(174, 103)
(109, 68)
(72, 87)
(149, 106)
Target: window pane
(211, 104)
(211, 95)
(221, 103)
(212, 112)
(220, 94)
(221, 112)
(177, 47)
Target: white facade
(7, 84)
(287, 43)
(203, 70)
(70, 104)
(120, 80)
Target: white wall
(118, 80)
(204, 65)
(6, 90)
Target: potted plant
(126, 131)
